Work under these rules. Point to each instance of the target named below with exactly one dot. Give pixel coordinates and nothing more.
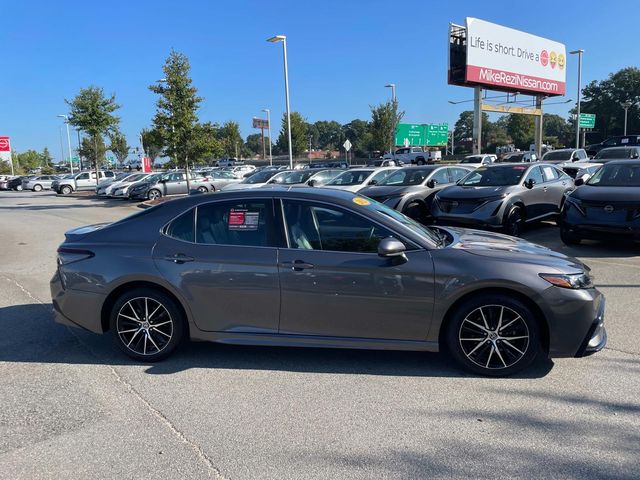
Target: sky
(341, 54)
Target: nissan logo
(608, 208)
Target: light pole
(268, 112)
(66, 121)
(392, 86)
(626, 105)
(579, 53)
(283, 39)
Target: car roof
(623, 162)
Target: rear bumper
(75, 308)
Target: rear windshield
(617, 175)
(471, 160)
(494, 176)
(290, 178)
(352, 177)
(611, 153)
(407, 176)
(260, 177)
(558, 155)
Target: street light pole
(626, 105)
(392, 86)
(79, 155)
(268, 112)
(579, 53)
(66, 121)
(283, 39)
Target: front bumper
(596, 338)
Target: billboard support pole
(477, 120)
(539, 129)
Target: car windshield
(407, 176)
(518, 157)
(351, 177)
(611, 153)
(290, 178)
(617, 175)
(558, 155)
(474, 159)
(260, 177)
(494, 176)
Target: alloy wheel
(144, 326)
(494, 337)
(153, 194)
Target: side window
(441, 176)
(242, 223)
(109, 174)
(549, 173)
(83, 176)
(381, 175)
(458, 173)
(93, 175)
(610, 143)
(316, 227)
(181, 228)
(536, 175)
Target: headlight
(574, 280)
(576, 203)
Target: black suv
(618, 141)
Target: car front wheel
(567, 237)
(37, 188)
(494, 335)
(154, 194)
(514, 222)
(66, 190)
(146, 324)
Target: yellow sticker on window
(361, 201)
(481, 169)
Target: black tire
(66, 190)
(514, 223)
(484, 350)
(154, 194)
(37, 187)
(202, 189)
(569, 238)
(135, 334)
(18, 188)
(420, 161)
(416, 211)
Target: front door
(222, 257)
(556, 183)
(534, 198)
(333, 283)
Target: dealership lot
(74, 407)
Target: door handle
(297, 265)
(179, 258)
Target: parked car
(503, 197)
(617, 141)
(410, 190)
(122, 191)
(385, 163)
(329, 164)
(616, 153)
(518, 157)
(414, 155)
(4, 180)
(41, 182)
(580, 170)
(256, 180)
(80, 181)
(170, 183)
(127, 180)
(16, 182)
(219, 179)
(286, 267)
(356, 179)
(607, 205)
(307, 177)
(482, 159)
(564, 155)
(102, 186)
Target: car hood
(387, 191)
(242, 186)
(512, 249)
(471, 193)
(607, 194)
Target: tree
(92, 112)
(93, 149)
(521, 128)
(47, 159)
(604, 98)
(384, 119)
(554, 126)
(25, 161)
(299, 136)
(357, 131)
(329, 134)
(229, 135)
(204, 144)
(176, 107)
(463, 129)
(119, 146)
(152, 142)
(254, 144)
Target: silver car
(355, 179)
(170, 183)
(320, 267)
(42, 182)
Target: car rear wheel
(146, 324)
(66, 190)
(420, 161)
(37, 188)
(154, 194)
(18, 188)
(514, 223)
(569, 238)
(494, 335)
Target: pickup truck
(414, 155)
(80, 181)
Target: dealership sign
(508, 59)
(5, 149)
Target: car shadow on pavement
(29, 334)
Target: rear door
(176, 184)
(556, 183)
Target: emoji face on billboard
(561, 61)
(544, 58)
(553, 59)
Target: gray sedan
(42, 182)
(321, 267)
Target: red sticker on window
(236, 218)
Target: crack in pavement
(200, 453)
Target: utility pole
(626, 105)
(477, 120)
(579, 53)
(79, 146)
(268, 112)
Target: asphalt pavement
(73, 407)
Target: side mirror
(431, 183)
(530, 183)
(373, 182)
(312, 182)
(579, 181)
(391, 247)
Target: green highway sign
(426, 134)
(587, 120)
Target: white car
(134, 177)
(256, 180)
(582, 169)
(481, 159)
(356, 179)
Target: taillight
(72, 255)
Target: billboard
(260, 123)
(5, 149)
(508, 59)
